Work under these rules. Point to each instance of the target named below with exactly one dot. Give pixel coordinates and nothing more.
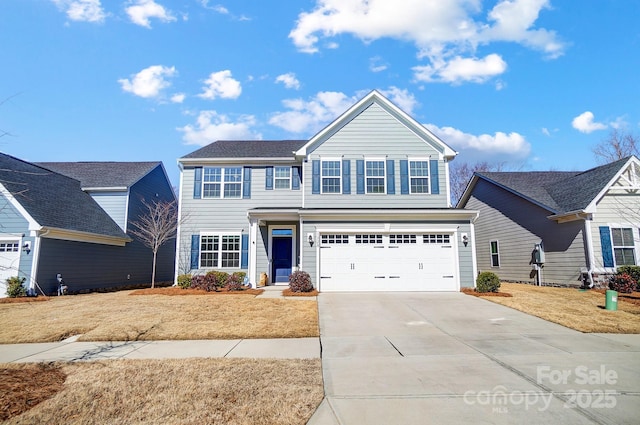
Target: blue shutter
(195, 251)
(246, 183)
(435, 179)
(346, 177)
(268, 182)
(391, 177)
(359, 176)
(404, 176)
(197, 183)
(315, 183)
(244, 256)
(295, 183)
(607, 251)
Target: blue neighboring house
(72, 218)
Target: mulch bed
(22, 389)
(471, 291)
(632, 298)
(289, 293)
(23, 300)
(176, 290)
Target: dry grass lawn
(119, 316)
(580, 310)
(194, 391)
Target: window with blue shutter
(391, 177)
(268, 182)
(607, 250)
(346, 177)
(360, 176)
(435, 180)
(246, 183)
(295, 182)
(197, 183)
(404, 176)
(195, 251)
(315, 175)
(244, 256)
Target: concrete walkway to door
(449, 358)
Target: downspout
(589, 250)
(36, 258)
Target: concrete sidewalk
(449, 358)
(72, 350)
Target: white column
(253, 254)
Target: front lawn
(580, 310)
(121, 316)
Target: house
(361, 206)
(72, 219)
(566, 228)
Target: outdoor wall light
(465, 239)
(310, 239)
(26, 247)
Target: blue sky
(534, 84)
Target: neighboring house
(586, 224)
(72, 218)
(361, 206)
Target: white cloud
(585, 124)
(401, 97)
(178, 97)
(377, 65)
(443, 31)
(289, 80)
(310, 116)
(216, 8)
(211, 126)
(221, 84)
(149, 82)
(82, 10)
(141, 11)
(484, 147)
(459, 70)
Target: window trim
(496, 254)
(220, 251)
(633, 246)
(383, 177)
(338, 177)
(276, 178)
(427, 175)
(223, 183)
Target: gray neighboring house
(72, 218)
(361, 206)
(586, 224)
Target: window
(401, 239)
(623, 246)
(282, 176)
(9, 247)
(436, 239)
(495, 254)
(220, 251)
(369, 239)
(419, 176)
(330, 176)
(334, 239)
(374, 175)
(218, 181)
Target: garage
(9, 262)
(388, 262)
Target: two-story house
(361, 206)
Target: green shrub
(622, 283)
(234, 282)
(634, 272)
(184, 281)
(219, 278)
(300, 282)
(15, 287)
(487, 282)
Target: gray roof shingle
(54, 200)
(558, 191)
(248, 149)
(102, 174)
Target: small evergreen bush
(184, 281)
(622, 283)
(15, 287)
(634, 272)
(487, 282)
(300, 282)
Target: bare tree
(616, 146)
(156, 227)
(460, 174)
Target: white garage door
(387, 262)
(9, 262)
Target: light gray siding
(14, 226)
(375, 133)
(518, 225)
(114, 204)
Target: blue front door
(282, 248)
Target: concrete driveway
(449, 358)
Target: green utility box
(612, 300)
